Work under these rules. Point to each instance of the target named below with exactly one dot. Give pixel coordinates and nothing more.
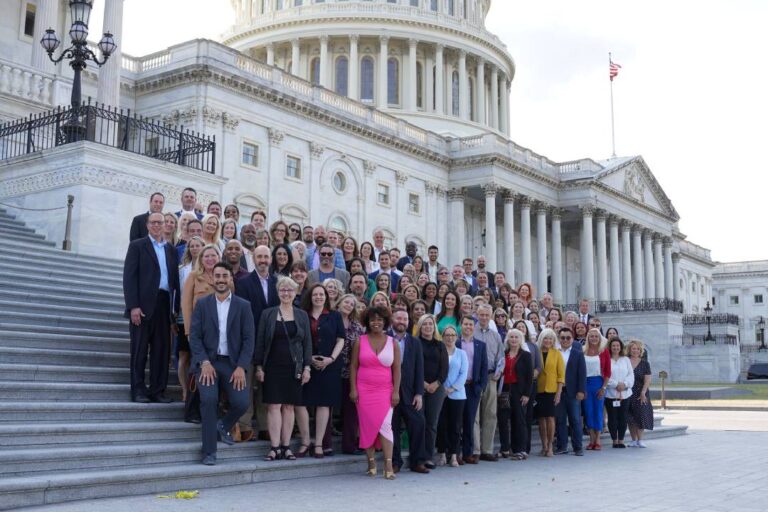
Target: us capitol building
(359, 115)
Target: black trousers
(415, 423)
(152, 338)
(617, 418)
(209, 403)
(449, 427)
(513, 424)
(349, 420)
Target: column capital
(480, 61)
(401, 177)
(601, 215)
(412, 42)
(462, 54)
(295, 41)
(439, 47)
(275, 137)
(369, 167)
(557, 213)
(626, 225)
(316, 150)
(658, 238)
(440, 191)
(508, 195)
(430, 188)
(456, 194)
(648, 234)
(525, 202)
(675, 257)
(382, 39)
(667, 242)
(354, 38)
(587, 210)
(638, 229)
(490, 189)
(270, 46)
(541, 208)
(324, 39)
(494, 72)
(613, 220)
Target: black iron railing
(714, 319)
(111, 127)
(628, 306)
(700, 339)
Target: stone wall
(706, 363)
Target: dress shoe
(246, 436)
(161, 399)
(210, 459)
(471, 459)
(460, 460)
(420, 468)
(488, 457)
(140, 399)
(224, 436)
(562, 451)
(578, 453)
(395, 469)
(430, 465)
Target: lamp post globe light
(78, 53)
(761, 326)
(708, 314)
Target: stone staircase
(67, 428)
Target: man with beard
(481, 268)
(308, 236)
(312, 256)
(248, 239)
(233, 254)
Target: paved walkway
(714, 468)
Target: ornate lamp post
(761, 326)
(78, 54)
(708, 314)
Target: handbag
(503, 400)
(192, 404)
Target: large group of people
(281, 327)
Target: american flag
(613, 70)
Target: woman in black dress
(324, 388)
(640, 417)
(283, 355)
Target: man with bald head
(260, 289)
(312, 254)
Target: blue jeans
(568, 418)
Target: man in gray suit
(222, 343)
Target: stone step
(37, 320)
(72, 391)
(23, 232)
(7, 327)
(70, 312)
(38, 292)
(69, 272)
(45, 489)
(16, 225)
(96, 305)
(22, 247)
(67, 342)
(61, 283)
(69, 373)
(46, 356)
(11, 236)
(87, 412)
(44, 262)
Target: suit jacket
(524, 372)
(249, 288)
(338, 260)
(139, 227)
(402, 262)
(411, 370)
(340, 274)
(575, 374)
(589, 317)
(489, 274)
(141, 277)
(394, 279)
(300, 345)
(479, 366)
(204, 334)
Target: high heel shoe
(371, 467)
(389, 475)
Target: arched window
(419, 85)
(393, 81)
(472, 99)
(338, 223)
(366, 79)
(342, 76)
(455, 93)
(314, 71)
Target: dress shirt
(468, 346)
(400, 342)
(432, 271)
(584, 319)
(494, 348)
(264, 286)
(566, 354)
(621, 371)
(159, 248)
(222, 308)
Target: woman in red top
(598, 371)
(514, 393)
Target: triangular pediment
(634, 179)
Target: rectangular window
(451, 8)
(382, 194)
(29, 20)
(733, 300)
(298, 3)
(759, 298)
(293, 167)
(413, 204)
(151, 146)
(414, 3)
(250, 155)
(433, 5)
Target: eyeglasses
(285, 290)
(294, 230)
(565, 338)
(156, 222)
(279, 230)
(449, 335)
(326, 254)
(443, 273)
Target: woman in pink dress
(374, 379)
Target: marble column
(410, 91)
(463, 86)
(587, 254)
(490, 190)
(354, 68)
(439, 80)
(108, 91)
(637, 262)
(382, 97)
(46, 17)
(296, 57)
(509, 235)
(557, 258)
(429, 82)
(675, 276)
(650, 283)
(458, 245)
(270, 54)
(504, 121)
(658, 265)
(480, 91)
(324, 74)
(494, 110)
(601, 257)
(541, 249)
(626, 260)
(613, 229)
(669, 280)
(525, 240)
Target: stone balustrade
(26, 83)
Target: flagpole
(613, 130)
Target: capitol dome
(421, 60)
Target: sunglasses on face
(294, 230)
(326, 254)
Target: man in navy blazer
(151, 292)
(139, 223)
(477, 379)
(260, 289)
(411, 392)
(222, 342)
(385, 261)
(568, 413)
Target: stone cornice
(601, 187)
(504, 162)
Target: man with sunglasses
(568, 411)
(327, 269)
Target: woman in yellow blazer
(548, 389)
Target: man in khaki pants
(485, 421)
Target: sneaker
(564, 451)
(578, 453)
(640, 444)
